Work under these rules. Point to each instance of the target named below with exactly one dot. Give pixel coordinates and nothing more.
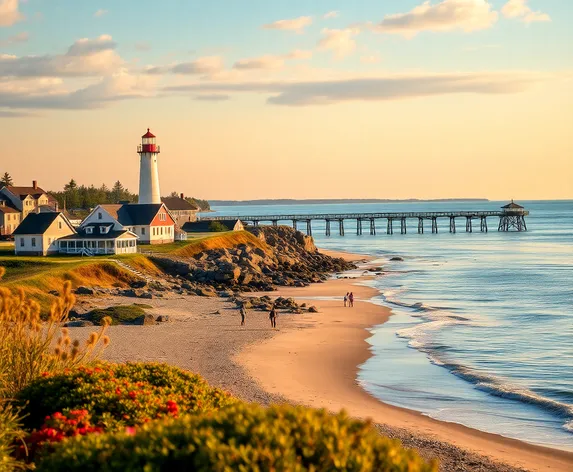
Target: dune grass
(219, 241)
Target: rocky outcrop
(287, 258)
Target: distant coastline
(321, 201)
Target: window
(22, 242)
(59, 225)
(100, 215)
(143, 231)
(104, 229)
(89, 229)
(162, 216)
(33, 242)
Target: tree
(6, 180)
(71, 185)
(117, 192)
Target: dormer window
(104, 229)
(89, 229)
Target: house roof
(112, 209)
(5, 202)
(23, 192)
(512, 205)
(204, 226)
(37, 223)
(7, 209)
(178, 204)
(82, 234)
(138, 214)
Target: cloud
(270, 61)
(447, 15)
(520, 10)
(86, 57)
(15, 114)
(9, 12)
(216, 97)
(16, 38)
(296, 24)
(392, 87)
(331, 14)
(100, 13)
(339, 41)
(202, 65)
(51, 93)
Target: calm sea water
(482, 331)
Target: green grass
(120, 314)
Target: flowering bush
(120, 395)
(241, 437)
(56, 428)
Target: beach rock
(84, 291)
(78, 324)
(144, 320)
(162, 318)
(312, 309)
(206, 292)
(396, 258)
(129, 292)
(138, 284)
(146, 295)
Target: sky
(292, 99)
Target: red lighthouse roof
(149, 134)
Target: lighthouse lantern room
(148, 173)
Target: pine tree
(6, 180)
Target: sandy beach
(311, 359)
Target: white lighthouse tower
(148, 175)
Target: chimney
(182, 197)
(56, 206)
(35, 184)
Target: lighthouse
(148, 151)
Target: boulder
(138, 284)
(312, 309)
(146, 319)
(146, 295)
(206, 292)
(396, 258)
(84, 291)
(162, 318)
(129, 292)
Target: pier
(511, 217)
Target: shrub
(217, 227)
(117, 314)
(29, 346)
(242, 437)
(55, 429)
(119, 395)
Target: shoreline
(317, 366)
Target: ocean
(482, 325)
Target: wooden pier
(511, 217)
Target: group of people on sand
(272, 316)
(349, 299)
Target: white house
(98, 238)
(38, 234)
(151, 222)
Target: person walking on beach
(346, 298)
(273, 317)
(351, 299)
(243, 314)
